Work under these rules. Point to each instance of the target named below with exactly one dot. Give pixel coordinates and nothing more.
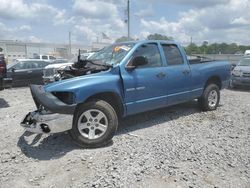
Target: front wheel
(210, 98)
(94, 124)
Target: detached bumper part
(46, 122)
(49, 101)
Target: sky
(52, 20)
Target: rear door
(21, 73)
(178, 83)
(37, 71)
(145, 86)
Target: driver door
(145, 86)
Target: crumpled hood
(75, 83)
(58, 65)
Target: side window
(27, 65)
(34, 65)
(51, 57)
(172, 54)
(42, 64)
(19, 65)
(44, 57)
(151, 53)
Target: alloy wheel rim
(212, 98)
(92, 124)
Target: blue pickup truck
(121, 80)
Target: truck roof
(148, 41)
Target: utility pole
(128, 9)
(69, 44)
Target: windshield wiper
(99, 63)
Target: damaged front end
(54, 111)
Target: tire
(85, 131)
(210, 98)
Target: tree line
(205, 48)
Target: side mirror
(13, 70)
(137, 61)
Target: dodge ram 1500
(121, 80)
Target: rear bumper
(45, 122)
(49, 101)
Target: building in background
(20, 50)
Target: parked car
(4, 81)
(241, 73)
(127, 78)
(50, 71)
(26, 71)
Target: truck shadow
(154, 117)
(42, 147)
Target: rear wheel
(94, 124)
(210, 98)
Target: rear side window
(172, 54)
(27, 65)
(34, 65)
(42, 64)
(51, 57)
(44, 57)
(151, 53)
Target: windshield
(244, 62)
(13, 63)
(112, 54)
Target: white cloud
(221, 23)
(94, 17)
(37, 11)
(24, 28)
(148, 12)
(241, 21)
(95, 9)
(34, 39)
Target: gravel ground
(171, 147)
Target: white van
(45, 57)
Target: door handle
(29, 71)
(161, 75)
(185, 71)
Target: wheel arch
(110, 97)
(214, 80)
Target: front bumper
(6, 82)
(240, 81)
(51, 116)
(47, 80)
(46, 122)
